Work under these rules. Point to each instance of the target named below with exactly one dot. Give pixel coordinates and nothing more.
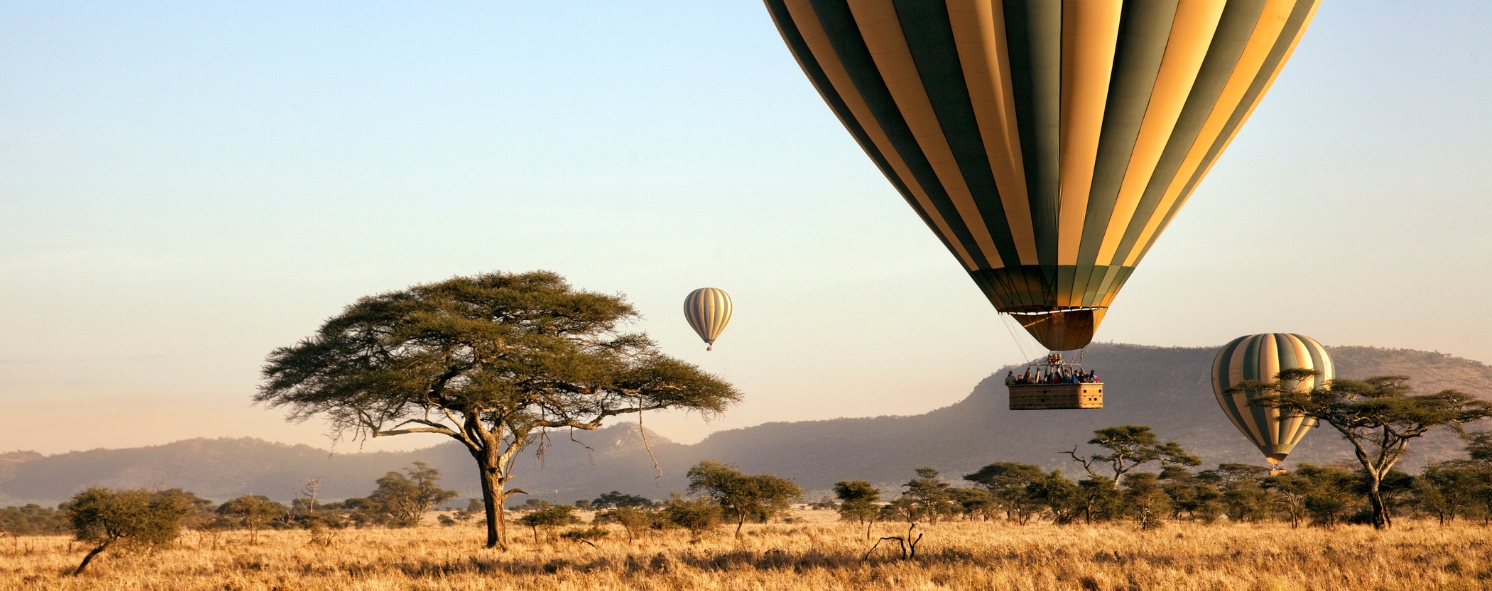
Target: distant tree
(199, 510)
(858, 501)
(33, 520)
(632, 519)
(1379, 416)
(909, 511)
(1251, 500)
(1009, 482)
(1244, 496)
(583, 504)
(1479, 446)
(696, 515)
(976, 503)
(1059, 494)
(549, 519)
(1129, 447)
(1191, 495)
(1448, 489)
(1146, 500)
(1099, 499)
(1460, 487)
(1226, 474)
(930, 495)
(615, 499)
(404, 499)
(362, 511)
(742, 496)
(532, 505)
(252, 512)
(1286, 493)
(105, 517)
(492, 361)
(1324, 493)
(1480, 450)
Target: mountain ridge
(1165, 387)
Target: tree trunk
(492, 501)
(89, 557)
(1381, 518)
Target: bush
(632, 519)
(549, 519)
(696, 515)
(585, 535)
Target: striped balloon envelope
(1260, 358)
(708, 310)
(1046, 143)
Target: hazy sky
(185, 186)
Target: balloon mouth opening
(1059, 329)
(1043, 310)
(1275, 459)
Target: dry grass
(815, 553)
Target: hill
(1166, 388)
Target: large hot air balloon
(1047, 143)
(1260, 358)
(708, 311)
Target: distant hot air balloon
(1047, 143)
(708, 310)
(1260, 358)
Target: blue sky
(185, 186)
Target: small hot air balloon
(1260, 358)
(708, 311)
(1046, 143)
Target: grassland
(814, 552)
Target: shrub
(632, 519)
(696, 515)
(549, 519)
(585, 535)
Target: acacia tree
(1129, 447)
(404, 499)
(742, 496)
(253, 512)
(858, 500)
(1379, 416)
(105, 517)
(549, 519)
(493, 361)
(1009, 483)
(930, 494)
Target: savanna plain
(812, 551)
